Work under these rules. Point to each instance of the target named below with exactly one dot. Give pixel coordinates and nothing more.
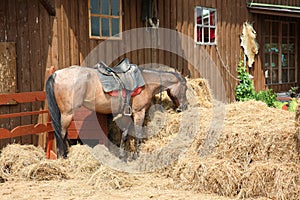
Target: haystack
(256, 155)
(275, 180)
(297, 124)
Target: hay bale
(271, 179)
(15, 157)
(255, 141)
(109, 179)
(200, 89)
(220, 176)
(297, 124)
(254, 132)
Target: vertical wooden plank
(46, 33)
(233, 41)
(166, 12)
(54, 45)
(140, 24)
(83, 29)
(176, 43)
(173, 21)
(23, 48)
(72, 19)
(34, 53)
(59, 15)
(3, 20)
(190, 68)
(160, 43)
(4, 123)
(133, 25)
(65, 34)
(13, 36)
(127, 27)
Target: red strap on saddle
(115, 93)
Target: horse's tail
(54, 111)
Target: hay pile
(80, 161)
(199, 88)
(109, 179)
(15, 160)
(162, 123)
(256, 155)
(28, 162)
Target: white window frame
(202, 26)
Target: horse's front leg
(138, 125)
(122, 144)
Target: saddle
(123, 80)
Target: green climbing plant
(245, 89)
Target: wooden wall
(28, 25)
(70, 38)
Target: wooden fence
(86, 125)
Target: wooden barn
(199, 38)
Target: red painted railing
(85, 126)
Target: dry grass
(109, 179)
(255, 155)
(15, 158)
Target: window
(280, 52)
(205, 25)
(105, 19)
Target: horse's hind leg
(61, 144)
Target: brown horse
(70, 88)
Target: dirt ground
(79, 189)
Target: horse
(75, 86)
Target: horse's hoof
(123, 159)
(135, 156)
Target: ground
(79, 189)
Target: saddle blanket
(115, 93)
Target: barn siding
(43, 40)
(29, 26)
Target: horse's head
(177, 93)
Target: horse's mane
(175, 73)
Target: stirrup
(127, 110)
